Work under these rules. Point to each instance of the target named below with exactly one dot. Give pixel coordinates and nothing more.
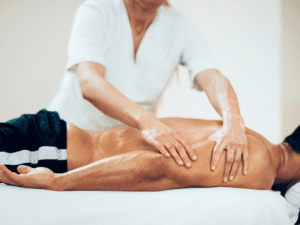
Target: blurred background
(256, 43)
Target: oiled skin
(85, 147)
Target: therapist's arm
(113, 103)
(106, 97)
(232, 135)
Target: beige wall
(291, 65)
(33, 52)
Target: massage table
(22, 206)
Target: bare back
(85, 147)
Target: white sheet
(172, 207)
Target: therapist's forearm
(221, 95)
(109, 100)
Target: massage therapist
(122, 54)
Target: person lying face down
(119, 159)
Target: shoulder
(104, 7)
(261, 167)
(258, 150)
(187, 31)
(175, 18)
(102, 4)
(98, 13)
(259, 137)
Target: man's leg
(36, 140)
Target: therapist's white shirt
(101, 33)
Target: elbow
(218, 82)
(226, 81)
(210, 80)
(87, 86)
(90, 76)
(219, 78)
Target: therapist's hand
(168, 141)
(231, 137)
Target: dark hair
(294, 140)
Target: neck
(140, 18)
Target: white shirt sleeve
(196, 54)
(87, 36)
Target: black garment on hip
(35, 140)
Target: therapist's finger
(181, 151)
(237, 161)
(161, 148)
(188, 147)
(245, 160)
(171, 149)
(217, 154)
(229, 160)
